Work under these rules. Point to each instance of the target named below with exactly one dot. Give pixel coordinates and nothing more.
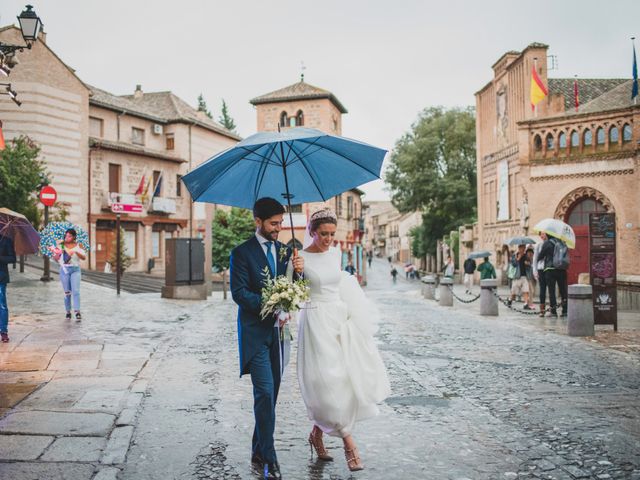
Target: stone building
(302, 104)
(98, 147)
(558, 161)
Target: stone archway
(581, 200)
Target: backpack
(560, 255)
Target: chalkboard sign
(602, 267)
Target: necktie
(270, 259)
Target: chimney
(138, 93)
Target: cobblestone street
(147, 388)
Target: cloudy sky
(384, 60)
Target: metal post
(288, 197)
(46, 275)
(118, 252)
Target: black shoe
(68, 316)
(272, 471)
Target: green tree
(225, 119)
(433, 170)
(202, 106)
(228, 230)
(125, 260)
(22, 174)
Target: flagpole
(634, 90)
(576, 98)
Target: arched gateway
(574, 209)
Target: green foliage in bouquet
(282, 295)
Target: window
(588, 138)
(600, 136)
(130, 243)
(550, 143)
(155, 244)
(614, 134)
(96, 127)
(537, 143)
(296, 208)
(575, 139)
(339, 205)
(178, 185)
(157, 183)
(170, 141)
(137, 136)
(626, 133)
(580, 211)
(562, 140)
(349, 207)
(114, 177)
(284, 120)
(299, 118)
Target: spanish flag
(538, 90)
(2, 144)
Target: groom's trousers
(264, 368)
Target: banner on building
(602, 267)
(503, 190)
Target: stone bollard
(580, 313)
(488, 300)
(429, 287)
(446, 297)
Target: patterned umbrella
(55, 231)
(16, 226)
(559, 229)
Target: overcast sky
(384, 60)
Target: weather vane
(302, 69)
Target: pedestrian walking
(369, 257)
(469, 267)
(449, 268)
(394, 273)
(537, 266)
(350, 268)
(7, 256)
(521, 268)
(556, 262)
(69, 253)
(486, 269)
(531, 277)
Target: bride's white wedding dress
(340, 371)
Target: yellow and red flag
(538, 90)
(2, 144)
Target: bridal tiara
(324, 213)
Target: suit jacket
(247, 264)
(7, 256)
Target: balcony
(109, 198)
(163, 205)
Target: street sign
(48, 195)
(126, 207)
(602, 236)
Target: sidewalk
(75, 388)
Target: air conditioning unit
(157, 129)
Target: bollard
(580, 323)
(488, 300)
(429, 287)
(446, 298)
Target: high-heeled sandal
(315, 441)
(353, 459)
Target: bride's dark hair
(321, 217)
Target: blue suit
(257, 338)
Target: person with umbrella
(469, 267)
(486, 269)
(7, 256)
(520, 283)
(69, 253)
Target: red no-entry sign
(48, 195)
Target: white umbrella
(559, 229)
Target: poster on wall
(503, 190)
(602, 267)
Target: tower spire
(302, 69)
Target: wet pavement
(148, 388)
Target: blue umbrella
(299, 164)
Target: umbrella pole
(288, 197)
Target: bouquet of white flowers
(282, 295)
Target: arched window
(562, 140)
(575, 139)
(550, 143)
(284, 121)
(537, 143)
(588, 138)
(299, 118)
(579, 213)
(626, 133)
(614, 134)
(600, 136)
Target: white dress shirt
(263, 241)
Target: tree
(22, 174)
(202, 106)
(433, 170)
(125, 260)
(225, 119)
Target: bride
(340, 371)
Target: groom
(258, 338)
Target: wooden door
(104, 244)
(579, 257)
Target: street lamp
(30, 25)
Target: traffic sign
(126, 207)
(48, 195)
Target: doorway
(578, 217)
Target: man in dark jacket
(7, 256)
(469, 267)
(553, 276)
